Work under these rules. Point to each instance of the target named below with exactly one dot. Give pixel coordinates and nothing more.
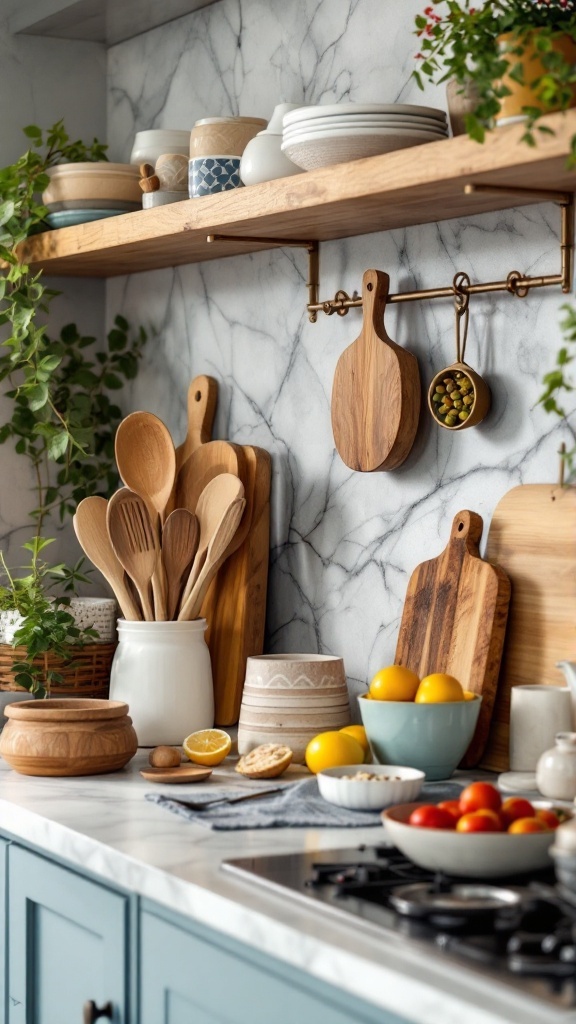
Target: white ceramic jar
(263, 159)
(163, 672)
(556, 768)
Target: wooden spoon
(135, 541)
(376, 391)
(92, 533)
(218, 551)
(212, 503)
(179, 545)
(146, 459)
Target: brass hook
(460, 286)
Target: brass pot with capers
(458, 397)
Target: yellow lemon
(439, 688)
(332, 749)
(468, 695)
(207, 746)
(394, 683)
(359, 733)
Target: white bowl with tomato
(479, 835)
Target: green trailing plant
(63, 419)
(558, 382)
(463, 44)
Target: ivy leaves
(558, 383)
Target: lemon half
(207, 746)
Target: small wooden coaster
(184, 773)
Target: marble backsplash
(343, 543)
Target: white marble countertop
(104, 825)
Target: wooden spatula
(135, 542)
(212, 503)
(179, 545)
(92, 533)
(215, 556)
(376, 391)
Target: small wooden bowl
(76, 736)
(482, 396)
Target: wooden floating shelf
(400, 189)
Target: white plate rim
(335, 109)
(358, 134)
(356, 130)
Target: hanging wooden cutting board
(533, 537)
(235, 605)
(376, 391)
(454, 620)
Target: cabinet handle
(93, 1013)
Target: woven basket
(85, 675)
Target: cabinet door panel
(186, 980)
(67, 943)
(3, 890)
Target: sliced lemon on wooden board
(207, 746)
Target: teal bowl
(431, 737)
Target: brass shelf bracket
(312, 248)
(516, 283)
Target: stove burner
(425, 897)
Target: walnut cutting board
(454, 620)
(533, 537)
(235, 606)
(376, 390)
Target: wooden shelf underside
(400, 189)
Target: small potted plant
(507, 60)
(63, 422)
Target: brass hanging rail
(516, 283)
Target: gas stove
(519, 930)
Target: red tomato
(452, 806)
(431, 816)
(528, 825)
(516, 807)
(550, 819)
(483, 820)
(479, 795)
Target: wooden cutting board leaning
(532, 537)
(454, 620)
(376, 391)
(235, 605)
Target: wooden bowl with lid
(71, 736)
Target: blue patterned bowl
(210, 174)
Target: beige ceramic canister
(223, 136)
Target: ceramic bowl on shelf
(395, 784)
(313, 150)
(431, 737)
(263, 160)
(218, 136)
(154, 142)
(160, 198)
(98, 180)
(469, 854)
(209, 175)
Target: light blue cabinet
(192, 975)
(67, 944)
(3, 890)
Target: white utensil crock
(163, 672)
(537, 713)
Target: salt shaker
(556, 768)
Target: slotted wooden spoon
(135, 541)
(179, 545)
(92, 533)
(218, 551)
(376, 391)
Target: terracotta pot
(524, 95)
(76, 736)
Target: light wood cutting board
(454, 620)
(235, 606)
(533, 537)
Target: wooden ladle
(218, 551)
(146, 459)
(92, 533)
(376, 391)
(179, 545)
(135, 542)
(212, 503)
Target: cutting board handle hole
(369, 286)
(197, 396)
(460, 527)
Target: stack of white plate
(318, 136)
